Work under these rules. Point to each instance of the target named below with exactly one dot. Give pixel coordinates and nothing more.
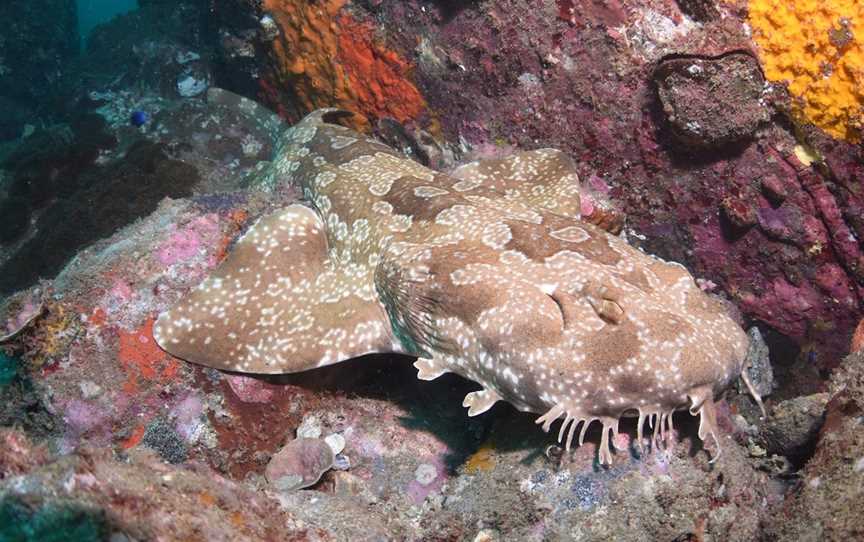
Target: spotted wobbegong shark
(487, 272)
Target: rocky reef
(735, 153)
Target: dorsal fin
(278, 304)
(543, 179)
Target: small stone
(776, 465)
(806, 155)
(755, 450)
(425, 474)
(758, 365)
(89, 389)
(336, 443)
(774, 189)
(741, 424)
(299, 464)
(269, 28)
(794, 425)
(185, 57)
(342, 462)
(486, 535)
(189, 85)
(310, 427)
(740, 214)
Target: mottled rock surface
(794, 424)
(712, 102)
(827, 503)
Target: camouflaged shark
(487, 272)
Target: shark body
(487, 272)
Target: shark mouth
(660, 421)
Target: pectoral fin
(479, 402)
(278, 304)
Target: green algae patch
(8, 369)
(66, 523)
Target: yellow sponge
(817, 48)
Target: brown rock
(709, 102)
(858, 338)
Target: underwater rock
(793, 425)
(108, 198)
(826, 505)
(759, 365)
(299, 464)
(710, 102)
(142, 498)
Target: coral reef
(409, 451)
(816, 48)
(111, 437)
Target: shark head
(563, 319)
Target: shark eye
(607, 310)
(335, 116)
(603, 301)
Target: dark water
(92, 13)
(82, 93)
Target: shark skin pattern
(487, 272)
